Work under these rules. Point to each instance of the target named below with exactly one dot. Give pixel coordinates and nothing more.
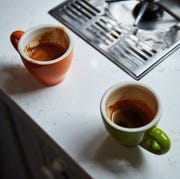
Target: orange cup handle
(15, 36)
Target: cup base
(53, 83)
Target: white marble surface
(69, 112)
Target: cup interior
(127, 92)
(45, 34)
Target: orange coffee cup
(47, 65)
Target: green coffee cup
(130, 112)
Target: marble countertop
(69, 112)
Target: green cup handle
(156, 141)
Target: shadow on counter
(27, 152)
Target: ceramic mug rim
(124, 129)
(44, 26)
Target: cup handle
(156, 141)
(15, 36)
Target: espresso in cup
(48, 45)
(46, 51)
(131, 113)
